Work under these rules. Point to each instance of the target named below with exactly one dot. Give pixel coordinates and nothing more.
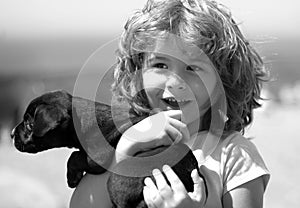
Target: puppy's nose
(12, 133)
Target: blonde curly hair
(208, 25)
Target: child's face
(186, 75)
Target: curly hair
(208, 25)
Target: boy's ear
(46, 118)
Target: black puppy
(49, 122)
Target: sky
(55, 36)
(46, 18)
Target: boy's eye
(160, 65)
(193, 68)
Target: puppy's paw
(76, 166)
(74, 177)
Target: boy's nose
(175, 83)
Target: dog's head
(44, 123)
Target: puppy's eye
(29, 126)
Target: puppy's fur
(129, 174)
(49, 122)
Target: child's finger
(199, 187)
(174, 134)
(174, 114)
(159, 178)
(148, 182)
(152, 194)
(182, 127)
(176, 184)
(148, 197)
(152, 198)
(163, 188)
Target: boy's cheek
(152, 101)
(190, 113)
(154, 98)
(152, 79)
(154, 85)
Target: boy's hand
(162, 195)
(162, 129)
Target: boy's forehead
(176, 48)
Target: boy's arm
(161, 129)
(248, 195)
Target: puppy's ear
(46, 118)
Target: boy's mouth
(176, 104)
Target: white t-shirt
(225, 165)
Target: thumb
(198, 194)
(176, 114)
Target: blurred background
(44, 44)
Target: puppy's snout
(12, 133)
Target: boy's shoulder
(217, 146)
(237, 147)
(236, 140)
(232, 138)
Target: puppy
(49, 122)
